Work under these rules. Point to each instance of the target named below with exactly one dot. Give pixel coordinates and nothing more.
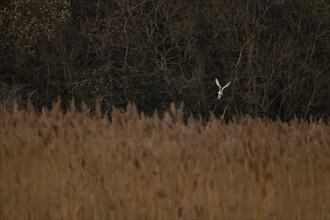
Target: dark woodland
(153, 53)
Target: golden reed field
(77, 166)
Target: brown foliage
(78, 166)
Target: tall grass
(78, 166)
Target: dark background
(154, 52)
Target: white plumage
(220, 93)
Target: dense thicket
(276, 53)
(74, 166)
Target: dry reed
(75, 166)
